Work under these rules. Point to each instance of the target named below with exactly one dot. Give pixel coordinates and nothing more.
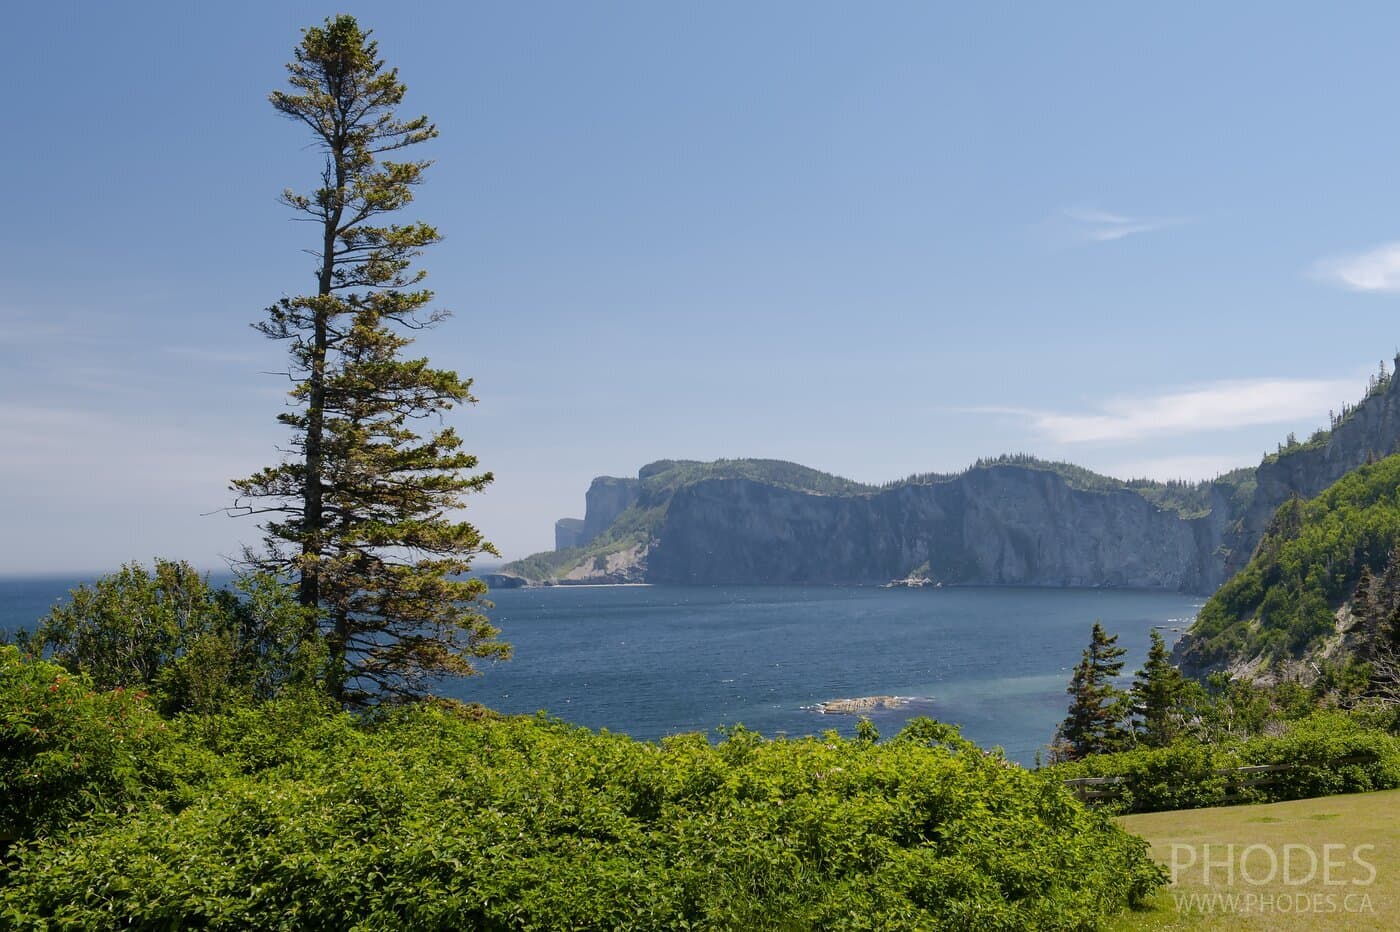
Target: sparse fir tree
(363, 504)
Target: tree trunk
(313, 516)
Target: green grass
(1349, 821)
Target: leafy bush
(1179, 776)
(1334, 755)
(434, 817)
(192, 646)
(67, 751)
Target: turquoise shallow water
(650, 661)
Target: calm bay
(656, 660)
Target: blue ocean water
(650, 661)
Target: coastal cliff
(568, 533)
(1009, 521)
(1012, 520)
(607, 498)
(1004, 525)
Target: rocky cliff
(607, 498)
(568, 533)
(1227, 634)
(1011, 521)
(1003, 525)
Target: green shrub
(430, 818)
(1332, 752)
(67, 752)
(193, 647)
(1179, 776)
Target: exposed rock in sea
(861, 705)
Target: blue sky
(872, 240)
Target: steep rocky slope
(1002, 525)
(1323, 583)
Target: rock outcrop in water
(860, 705)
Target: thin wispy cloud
(1215, 406)
(1191, 467)
(1102, 226)
(1376, 269)
(118, 455)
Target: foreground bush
(67, 752)
(191, 646)
(435, 818)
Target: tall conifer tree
(362, 503)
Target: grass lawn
(1294, 865)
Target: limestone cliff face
(608, 497)
(568, 533)
(1003, 525)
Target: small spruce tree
(1098, 708)
(1157, 693)
(1365, 625)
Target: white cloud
(1101, 226)
(1375, 269)
(1190, 467)
(1215, 406)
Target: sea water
(655, 660)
